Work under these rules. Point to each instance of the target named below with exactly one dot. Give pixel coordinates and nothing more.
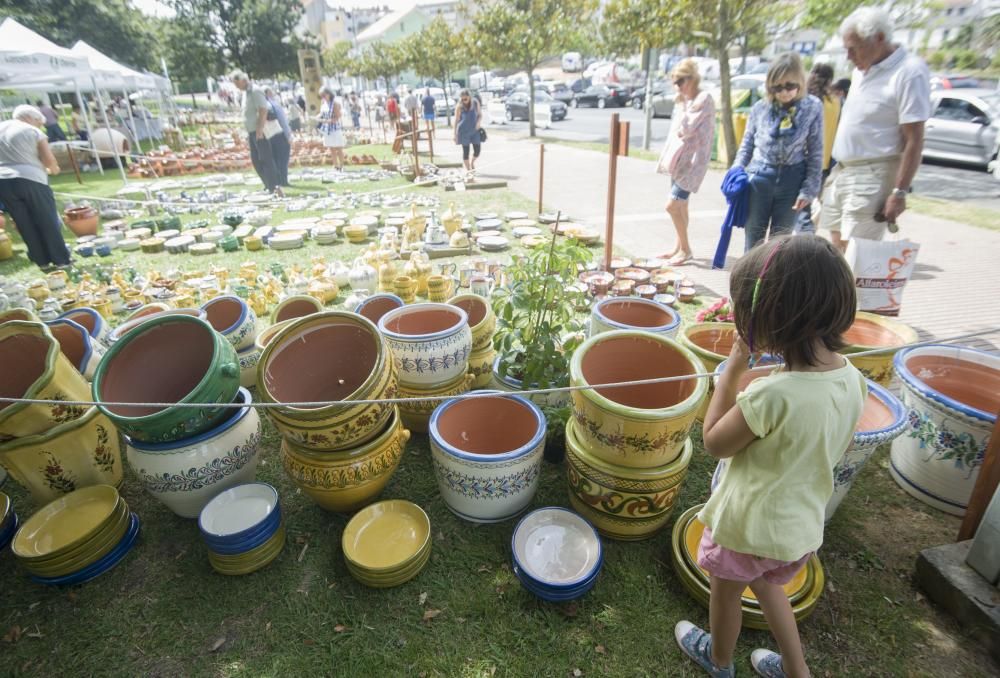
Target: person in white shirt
(881, 134)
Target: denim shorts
(678, 193)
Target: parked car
(638, 99)
(952, 81)
(572, 62)
(580, 84)
(602, 96)
(964, 127)
(562, 92)
(517, 106)
(744, 90)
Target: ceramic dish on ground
(100, 543)
(233, 514)
(486, 215)
(533, 241)
(98, 568)
(66, 522)
(485, 234)
(489, 224)
(493, 243)
(383, 581)
(550, 217)
(250, 559)
(512, 216)
(521, 231)
(203, 248)
(557, 554)
(387, 540)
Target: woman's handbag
(482, 135)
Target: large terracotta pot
(186, 474)
(711, 342)
(77, 345)
(416, 414)
(952, 394)
(430, 343)
(295, 307)
(91, 320)
(622, 502)
(487, 455)
(870, 331)
(76, 453)
(628, 313)
(82, 220)
(18, 314)
(169, 359)
(348, 480)
(482, 320)
(641, 426)
(129, 325)
(328, 357)
(230, 316)
(33, 366)
(265, 336)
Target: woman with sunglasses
(782, 151)
(687, 151)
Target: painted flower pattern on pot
(617, 504)
(624, 444)
(479, 487)
(56, 477)
(946, 445)
(104, 456)
(62, 413)
(440, 363)
(197, 478)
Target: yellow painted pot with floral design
(637, 426)
(416, 414)
(346, 481)
(482, 320)
(481, 366)
(32, 365)
(712, 343)
(622, 503)
(870, 331)
(78, 453)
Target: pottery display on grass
(76, 453)
(416, 413)
(430, 343)
(622, 502)
(93, 322)
(952, 394)
(622, 313)
(328, 357)
(870, 331)
(482, 320)
(34, 367)
(296, 306)
(185, 474)
(346, 481)
(487, 455)
(712, 343)
(236, 321)
(129, 325)
(169, 359)
(77, 345)
(638, 426)
(377, 305)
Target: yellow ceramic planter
(643, 426)
(481, 366)
(622, 503)
(711, 342)
(265, 336)
(417, 413)
(870, 331)
(482, 320)
(22, 314)
(346, 481)
(34, 366)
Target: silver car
(965, 126)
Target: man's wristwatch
(899, 193)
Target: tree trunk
(447, 105)
(531, 102)
(647, 129)
(723, 38)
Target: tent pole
(90, 131)
(131, 117)
(107, 126)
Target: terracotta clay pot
(146, 310)
(633, 314)
(265, 336)
(953, 395)
(22, 314)
(487, 455)
(430, 343)
(712, 343)
(482, 320)
(230, 316)
(92, 321)
(77, 345)
(295, 307)
(82, 220)
(638, 426)
(416, 414)
(870, 331)
(377, 305)
(129, 325)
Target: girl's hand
(739, 356)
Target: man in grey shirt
(255, 111)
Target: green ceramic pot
(174, 359)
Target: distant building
(942, 22)
(394, 26)
(331, 23)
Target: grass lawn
(952, 210)
(163, 611)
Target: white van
(572, 62)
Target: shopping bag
(881, 269)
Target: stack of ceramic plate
(243, 528)
(368, 221)
(286, 241)
(76, 537)
(197, 233)
(557, 554)
(8, 521)
(514, 216)
(804, 590)
(203, 248)
(212, 236)
(335, 216)
(179, 244)
(492, 243)
(128, 244)
(489, 225)
(242, 231)
(167, 234)
(151, 245)
(387, 543)
(522, 229)
(223, 229)
(325, 235)
(106, 241)
(139, 233)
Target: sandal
(680, 259)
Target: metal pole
(90, 131)
(135, 130)
(647, 130)
(541, 174)
(609, 227)
(107, 126)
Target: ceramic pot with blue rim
(510, 384)
(231, 317)
(487, 455)
(952, 394)
(377, 305)
(186, 474)
(77, 345)
(632, 313)
(249, 359)
(430, 343)
(92, 321)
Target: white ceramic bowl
(556, 547)
(430, 343)
(238, 509)
(186, 474)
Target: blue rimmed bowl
(430, 343)
(632, 313)
(377, 305)
(240, 519)
(487, 455)
(557, 554)
(232, 318)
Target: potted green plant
(537, 326)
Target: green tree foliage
(828, 14)
(382, 60)
(337, 61)
(630, 26)
(186, 46)
(435, 52)
(523, 33)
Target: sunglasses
(679, 81)
(787, 87)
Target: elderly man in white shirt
(881, 133)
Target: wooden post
(541, 174)
(616, 147)
(986, 485)
(430, 139)
(416, 148)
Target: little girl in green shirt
(779, 439)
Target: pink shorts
(721, 562)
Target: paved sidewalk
(954, 289)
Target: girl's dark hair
(807, 293)
(844, 85)
(820, 79)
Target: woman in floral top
(782, 151)
(686, 153)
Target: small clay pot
(296, 307)
(377, 305)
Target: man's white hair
(867, 22)
(239, 75)
(29, 114)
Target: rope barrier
(473, 394)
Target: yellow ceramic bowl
(417, 413)
(252, 560)
(482, 320)
(346, 481)
(98, 546)
(111, 525)
(386, 537)
(35, 367)
(355, 234)
(643, 426)
(67, 522)
(395, 578)
(75, 454)
(870, 331)
(711, 342)
(253, 243)
(481, 366)
(622, 503)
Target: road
(935, 179)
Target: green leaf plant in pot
(537, 327)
